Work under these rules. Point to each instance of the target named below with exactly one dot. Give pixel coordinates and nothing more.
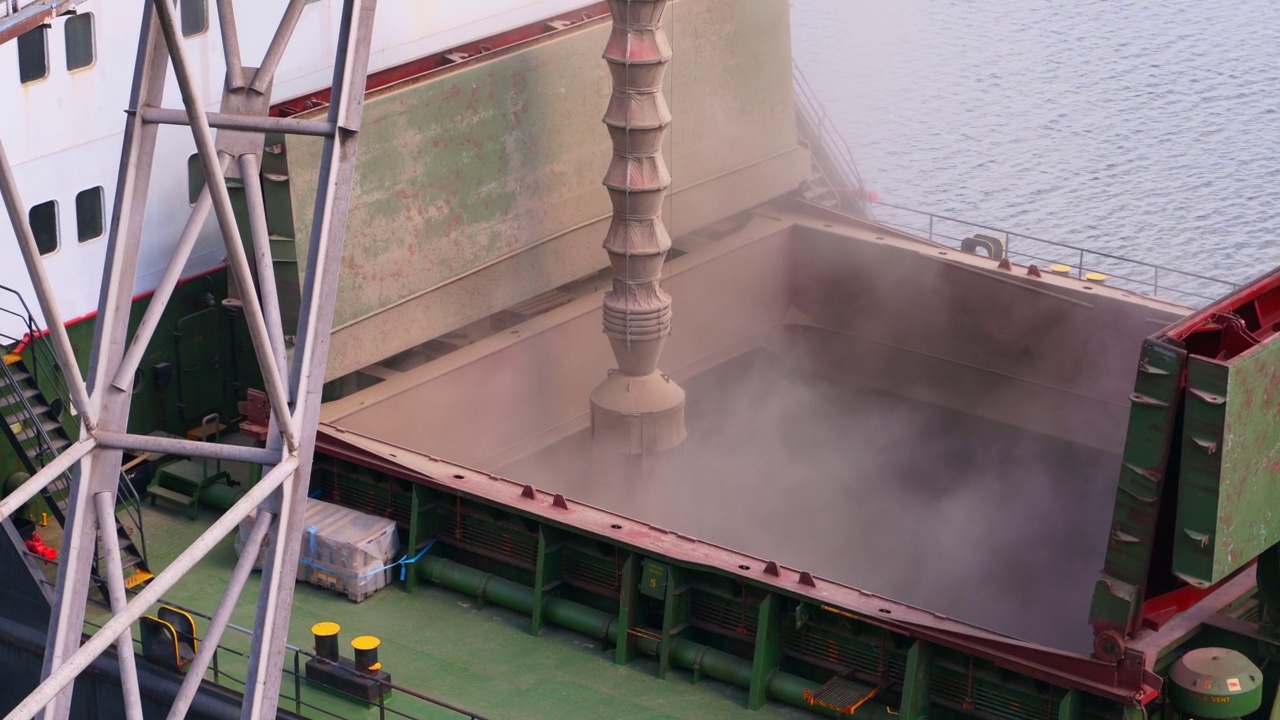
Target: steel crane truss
(293, 385)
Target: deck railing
(229, 665)
(43, 365)
(1181, 286)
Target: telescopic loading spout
(637, 409)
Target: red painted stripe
(400, 73)
(476, 50)
(26, 339)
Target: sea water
(1150, 129)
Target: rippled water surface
(1147, 129)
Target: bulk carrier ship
(827, 456)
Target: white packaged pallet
(342, 549)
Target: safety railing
(823, 136)
(42, 364)
(1180, 286)
(229, 665)
(23, 424)
(128, 499)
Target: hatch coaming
(906, 625)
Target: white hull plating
(63, 132)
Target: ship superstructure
(62, 87)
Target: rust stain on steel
(1231, 443)
(491, 156)
(33, 16)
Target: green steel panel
(485, 159)
(915, 686)
(1230, 472)
(157, 401)
(547, 573)
(1069, 708)
(1117, 598)
(768, 650)
(629, 610)
(676, 608)
(653, 580)
(422, 525)
(199, 369)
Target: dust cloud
(982, 521)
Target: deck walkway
(440, 643)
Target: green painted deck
(442, 644)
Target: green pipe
(477, 583)
(14, 482)
(580, 618)
(713, 663)
(603, 626)
(220, 497)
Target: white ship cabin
(64, 87)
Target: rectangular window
(195, 16)
(195, 178)
(44, 225)
(79, 36)
(89, 219)
(33, 55)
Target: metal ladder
(32, 424)
(836, 182)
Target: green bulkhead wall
(217, 351)
(1145, 471)
(479, 185)
(200, 361)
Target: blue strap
(406, 561)
(311, 546)
(403, 562)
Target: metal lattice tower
(293, 385)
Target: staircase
(835, 182)
(32, 405)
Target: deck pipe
(220, 497)
(637, 409)
(487, 587)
